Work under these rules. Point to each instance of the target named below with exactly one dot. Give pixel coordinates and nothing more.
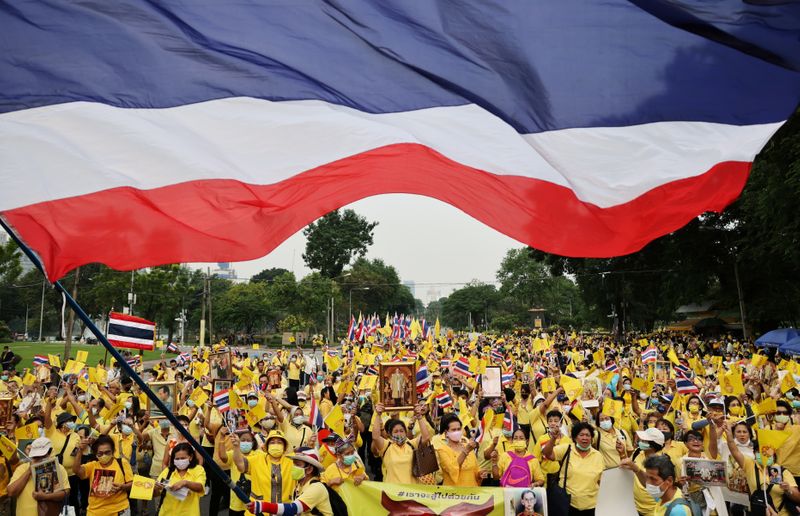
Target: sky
(429, 242)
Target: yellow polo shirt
(583, 476)
(189, 506)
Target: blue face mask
(644, 445)
(126, 430)
(189, 403)
(770, 460)
(252, 403)
(246, 446)
(320, 378)
(348, 460)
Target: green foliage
(385, 295)
(268, 275)
(335, 239)
(293, 323)
(5, 332)
(471, 303)
(245, 307)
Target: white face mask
(454, 436)
(606, 425)
(182, 464)
(782, 419)
(654, 491)
(298, 420)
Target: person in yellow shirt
(554, 427)
(608, 438)
(270, 472)
(295, 366)
(518, 447)
(397, 451)
(311, 495)
(456, 458)
(247, 444)
(675, 450)
(584, 468)
(650, 443)
(328, 400)
(183, 476)
(348, 466)
(21, 486)
(660, 485)
(65, 442)
(109, 479)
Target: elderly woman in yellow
(582, 465)
(397, 450)
(608, 439)
(348, 466)
(183, 476)
(270, 472)
(758, 479)
(516, 469)
(457, 459)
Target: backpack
(518, 472)
(338, 506)
(691, 504)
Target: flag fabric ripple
(136, 133)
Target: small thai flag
(612, 367)
(40, 360)
(445, 363)
(507, 378)
(222, 401)
(423, 380)
(496, 356)
(509, 422)
(480, 433)
(685, 385)
(682, 370)
(351, 330)
(461, 367)
(509, 364)
(541, 373)
(371, 371)
(314, 415)
(134, 362)
(173, 348)
(184, 358)
(650, 356)
(333, 352)
(444, 401)
(411, 355)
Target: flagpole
(207, 459)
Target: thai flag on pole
(426, 328)
(351, 330)
(396, 328)
(184, 358)
(173, 348)
(444, 363)
(360, 334)
(444, 400)
(314, 415)
(650, 356)
(363, 98)
(612, 367)
(496, 356)
(507, 378)
(407, 326)
(222, 401)
(541, 372)
(509, 422)
(39, 360)
(685, 385)
(461, 367)
(423, 379)
(371, 370)
(135, 361)
(127, 331)
(480, 432)
(683, 370)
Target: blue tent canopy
(791, 348)
(774, 338)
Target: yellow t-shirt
(261, 468)
(159, 443)
(346, 473)
(677, 510)
(397, 462)
(25, 502)
(548, 466)
(536, 471)
(58, 440)
(608, 446)
(315, 496)
(296, 435)
(676, 451)
(236, 504)
(189, 506)
(452, 473)
(789, 452)
(776, 492)
(583, 476)
(100, 477)
(294, 369)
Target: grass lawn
(96, 353)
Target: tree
(245, 307)
(335, 240)
(267, 275)
(385, 294)
(472, 303)
(314, 293)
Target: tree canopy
(333, 241)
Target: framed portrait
(6, 410)
(491, 382)
(398, 385)
(274, 378)
(221, 385)
(220, 365)
(531, 500)
(661, 372)
(704, 471)
(167, 392)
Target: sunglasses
(103, 453)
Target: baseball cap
(653, 435)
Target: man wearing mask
(65, 444)
(158, 437)
(21, 484)
(270, 472)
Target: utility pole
(71, 318)
(741, 297)
(41, 311)
(131, 296)
(26, 322)
(210, 311)
(203, 314)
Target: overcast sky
(427, 241)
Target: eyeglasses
(782, 413)
(103, 453)
(692, 438)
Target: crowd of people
(292, 426)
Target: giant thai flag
(140, 133)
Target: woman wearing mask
(737, 479)
(296, 428)
(105, 497)
(183, 475)
(456, 458)
(675, 450)
(396, 451)
(348, 466)
(585, 467)
(694, 445)
(518, 457)
(694, 407)
(609, 439)
(21, 484)
(650, 443)
(328, 400)
(271, 472)
(789, 451)
(224, 453)
(758, 479)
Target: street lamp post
(351, 299)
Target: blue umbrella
(791, 348)
(774, 338)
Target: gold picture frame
(168, 393)
(397, 385)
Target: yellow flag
(788, 382)
(768, 406)
(548, 385)
(199, 397)
(577, 410)
(54, 361)
(463, 413)
(93, 376)
(498, 421)
(437, 329)
(731, 384)
(367, 382)
(673, 357)
(7, 447)
(758, 360)
(572, 386)
(30, 431)
(82, 356)
(28, 379)
(571, 368)
(142, 488)
(335, 420)
(83, 384)
(769, 441)
(642, 385)
(112, 411)
(73, 367)
(235, 401)
(599, 357)
(256, 346)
